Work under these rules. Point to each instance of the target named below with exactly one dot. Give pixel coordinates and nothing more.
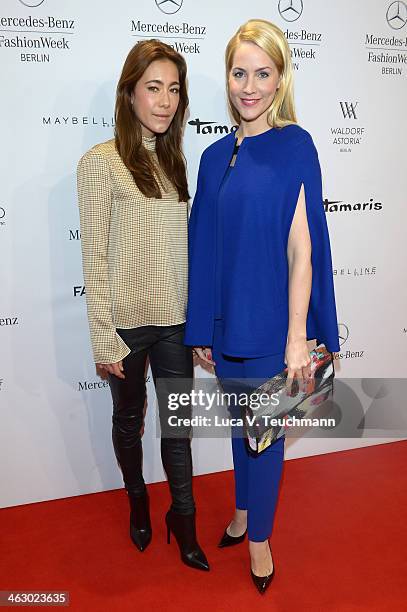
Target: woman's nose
(249, 86)
(165, 99)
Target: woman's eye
(238, 74)
(152, 88)
(175, 90)
(263, 75)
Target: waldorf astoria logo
(2, 216)
(388, 52)
(349, 109)
(340, 206)
(1, 383)
(35, 39)
(349, 134)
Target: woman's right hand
(112, 368)
(205, 354)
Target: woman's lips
(249, 102)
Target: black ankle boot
(183, 528)
(140, 524)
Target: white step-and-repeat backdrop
(60, 62)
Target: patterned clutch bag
(271, 401)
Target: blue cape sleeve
(322, 318)
(200, 308)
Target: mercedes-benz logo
(397, 15)
(290, 10)
(343, 333)
(2, 213)
(31, 3)
(169, 6)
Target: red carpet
(339, 544)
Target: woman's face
(155, 97)
(253, 81)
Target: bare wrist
(293, 338)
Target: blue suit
(263, 194)
(238, 280)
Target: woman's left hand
(298, 363)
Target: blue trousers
(257, 479)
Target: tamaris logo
(211, 127)
(333, 206)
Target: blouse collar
(149, 142)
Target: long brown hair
(128, 135)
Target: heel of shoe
(228, 540)
(183, 529)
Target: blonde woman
(261, 285)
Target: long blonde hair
(271, 39)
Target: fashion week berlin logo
(290, 10)
(169, 7)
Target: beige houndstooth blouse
(134, 251)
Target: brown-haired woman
(133, 197)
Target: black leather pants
(169, 359)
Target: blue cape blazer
(269, 171)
